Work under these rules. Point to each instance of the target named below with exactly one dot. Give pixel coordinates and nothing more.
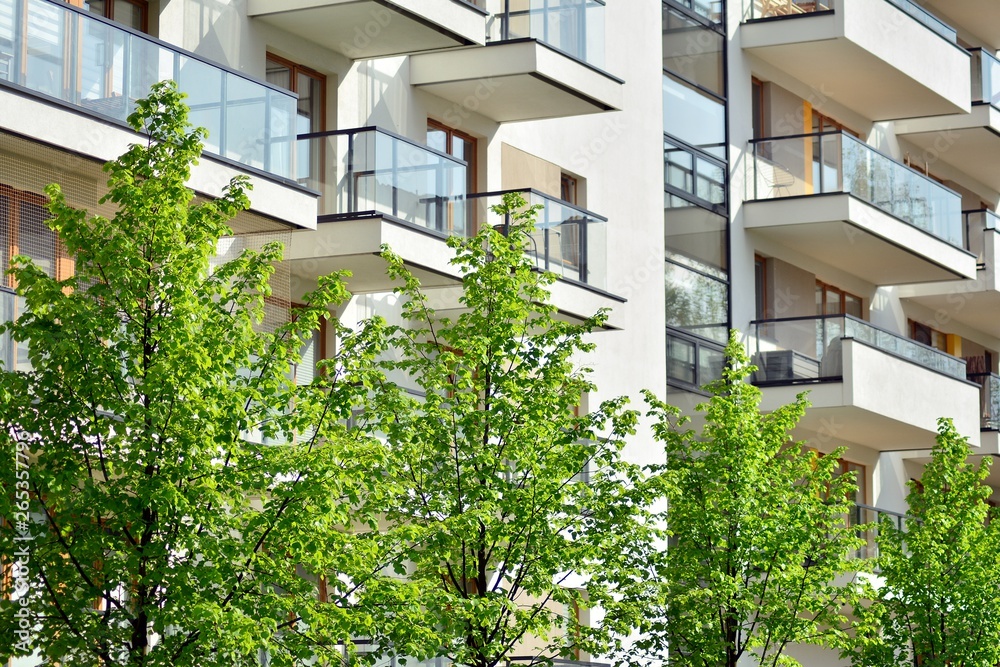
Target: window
(832, 300)
(757, 108)
(457, 144)
(133, 13)
(568, 188)
(694, 116)
(928, 335)
(310, 86)
(760, 286)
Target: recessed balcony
(885, 59)
(543, 62)
(866, 385)
(970, 142)
(838, 200)
(971, 302)
(374, 28)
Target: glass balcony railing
(760, 9)
(80, 59)
(832, 162)
(989, 399)
(568, 241)
(369, 171)
(977, 225)
(985, 78)
(869, 519)
(810, 349)
(575, 27)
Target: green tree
(759, 543)
(519, 495)
(161, 534)
(936, 599)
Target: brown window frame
(833, 289)
(295, 69)
(109, 10)
(450, 134)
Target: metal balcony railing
(67, 54)
(575, 27)
(568, 240)
(836, 162)
(810, 349)
(871, 518)
(370, 171)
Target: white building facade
(827, 183)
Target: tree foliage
(162, 534)
(520, 495)
(759, 546)
(936, 599)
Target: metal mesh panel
(277, 307)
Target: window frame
(294, 69)
(109, 11)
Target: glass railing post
(584, 250)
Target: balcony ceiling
(979, 17)
(849, 57)
(373, 28)
(851, 235)
(516, 80)
(969, 142)
(884, 402)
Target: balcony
(885, 59)
(373, 28)
(544, 61)
(838, 200)
(64, 54)
(979, 17)
(568, 241)
(867, 385)
(872, 517)
(970, 142)
(377, 187)
(970, 302)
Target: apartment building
(827, 185)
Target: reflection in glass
(696, 302)
(700, 236)
(693, 51)
(694, 117)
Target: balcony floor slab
(859, 238)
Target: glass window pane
(852, 306)
(278, 74)
(681, 360)
(130, 14)
(693, 51)
(710, 364)
(694, 117)
(699, 235)
(696, 303)
(310, 109)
